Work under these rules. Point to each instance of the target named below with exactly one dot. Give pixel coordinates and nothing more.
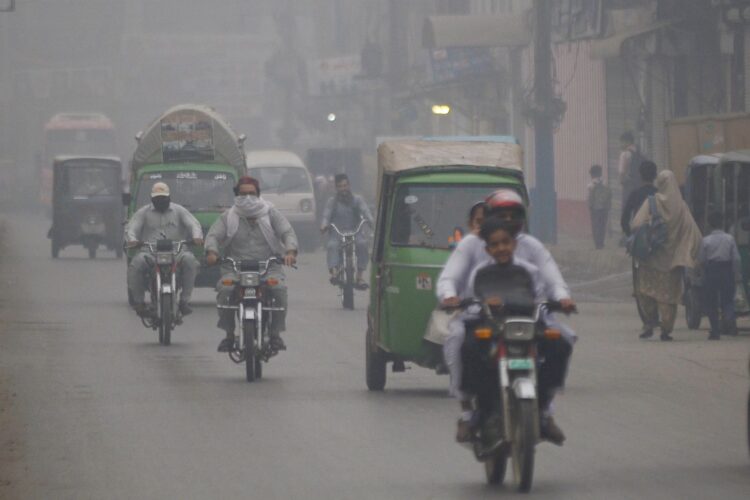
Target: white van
(285, 182)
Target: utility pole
(543, 196)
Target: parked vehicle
(193, 150)
(719, 183)
(425, 189)
(255, 308)
(286, 182)
(348, 257)
(165, 288)
(86, 206)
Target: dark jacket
(634, 203)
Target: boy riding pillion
(251, 230)
(471, 254)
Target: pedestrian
(628, 165)
(600, 202)
(720, 260)
(647, 172)
(659, 276)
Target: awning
(475, 31)
(607, 48)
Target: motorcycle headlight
(519, 330)
(163, 258)
(249, 279)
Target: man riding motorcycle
(452, 287)
(162, 220)
(251, 230)
(345, 210)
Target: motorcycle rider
(252, 229)
(452, 288)
(162, 219)
(345, 209)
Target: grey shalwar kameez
(249, 243)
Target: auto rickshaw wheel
(375, 364)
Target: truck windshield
(434, 216)
(281, 179)
(196, 191)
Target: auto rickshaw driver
(507, 205)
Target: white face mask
(249, 205)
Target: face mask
(346, 196)
(161, 203)
(249, 205)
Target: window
(280, 180)
(433, 215)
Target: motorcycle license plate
(520, 364)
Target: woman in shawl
(659, 277)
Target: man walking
(600, 202)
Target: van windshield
(196, 191)
(434, 216)
(279, 180)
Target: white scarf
(253, 207)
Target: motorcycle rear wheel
(524, 441)
(165, 322)
(251, 357)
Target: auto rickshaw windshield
(434, 216)
(197, 191)
(84, 181)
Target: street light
(441, 109)
(7, 5)
(331, 117)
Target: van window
(434, 216)
(279, 180)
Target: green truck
(196, 152)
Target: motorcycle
(164, 289)
(348, 263)
(254, 313)
(506, 339)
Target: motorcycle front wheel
(524, 441)
(251, 361)
(348, 287)
(165, 322)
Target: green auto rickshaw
(86, 206)
(719, 183)
(425, 189)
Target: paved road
(92, 407)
